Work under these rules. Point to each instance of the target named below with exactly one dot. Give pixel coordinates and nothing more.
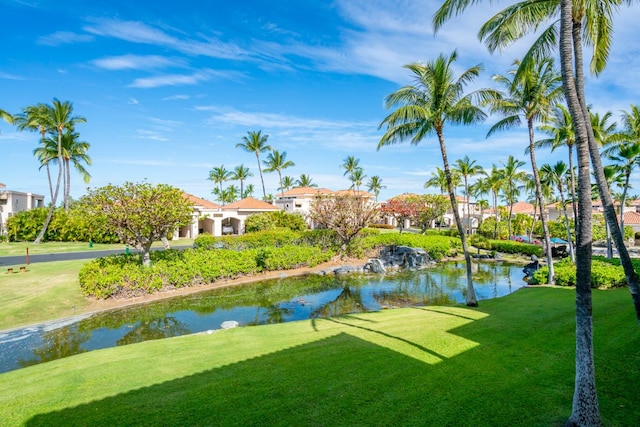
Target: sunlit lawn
(20, 248)
(509, 362)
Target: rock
(229, 324)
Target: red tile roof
(304, 191)
(251, 204)
(197, 201)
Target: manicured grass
(20, 248)
(509, 362)
(46, 291)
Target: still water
(272, 301)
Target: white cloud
(64, 37)
(135, 62)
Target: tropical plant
(530, 95)
(287, 183)
(305, 181)
(467, 168)
(555, 175)
(241, 173)
(219, 175)
(512, 178)
(55, 119)
(256, 142)
(357, 178)
(275, 162)
(436, 97)
(374, 185)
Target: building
(12, 202)
(211, 218)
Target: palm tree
(219, 175)
(467, 168)
(357, 178)
(248, 191)
(350, 164)
(529, 97)
(374, 185)
(6, 116)
(594, 21)
(555, 175)
(276, 161)
(511, 178)
(56, 119)
(241, 173)
(479, 189)
(305, 181)
(559, 127)
(435, 98)
(287, 183)
(256, 143)
(495, 182)
(439, 180)
(74, 153)
(614, 177)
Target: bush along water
(604, 275)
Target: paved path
(67, 256)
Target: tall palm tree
(350, 164)
(241, 173)
(357, 178)
(374, 185)
(6, 116)
(478, 190)
(437, 97)
(439, 180)
(559, 127)
(512, 177)
(305, 181)
(256, 142)
(555, 175)
(219, 175)
(55, 119)
(74, 153)
(467, 168)
(614, 177)
(529, 97)
(287, 183)
(248, 191)
(276, 161)
(495, 182)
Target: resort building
(12, 202)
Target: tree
(219, 175)
(287, 183)
(74, 153)
(256, 143)
(511, 178)
(6, 116)
(555, 175)
(248, 191)
(140, 213)
(305, 181)
(401, 208)
(439, 180)
(531, 94)
(241, 173)
(374, 185)
(422, 109)
(467, 168)
(276, 161)
(345, 214)
(55, 119)
(357, 178)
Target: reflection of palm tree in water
(348, 301)
(164, 327)
(58, 343)
(275, 313)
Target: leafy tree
(140, 213)
(256, 143)
(401, 208)
(275, 162)
(437, 97)
(346, 215)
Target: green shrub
(603, 274)
(513, 247)
(259, 222)
(383, 226)
(438, 247)
(479, 241)
(272, 220)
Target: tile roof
(304, 191)
(631, 218)
(360, 193)
(251, 204)
(197, 201)
(523, 208)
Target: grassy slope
(507, 363)
(47, 291)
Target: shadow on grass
(522, 376)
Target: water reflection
(267, 302)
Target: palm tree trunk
(603, 189)
(585, 408)
(52, 208)
(49, 179)
(566, 224)
(574, 205)
(264, 191)
(67, 189)
(545, 227)
(623, 201)
(471, 293)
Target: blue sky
(168, 89)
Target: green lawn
(509, 362)
(20, 248)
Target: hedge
(604, 275)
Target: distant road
(67, 256)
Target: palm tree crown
(256, 142)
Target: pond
(272, 301)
